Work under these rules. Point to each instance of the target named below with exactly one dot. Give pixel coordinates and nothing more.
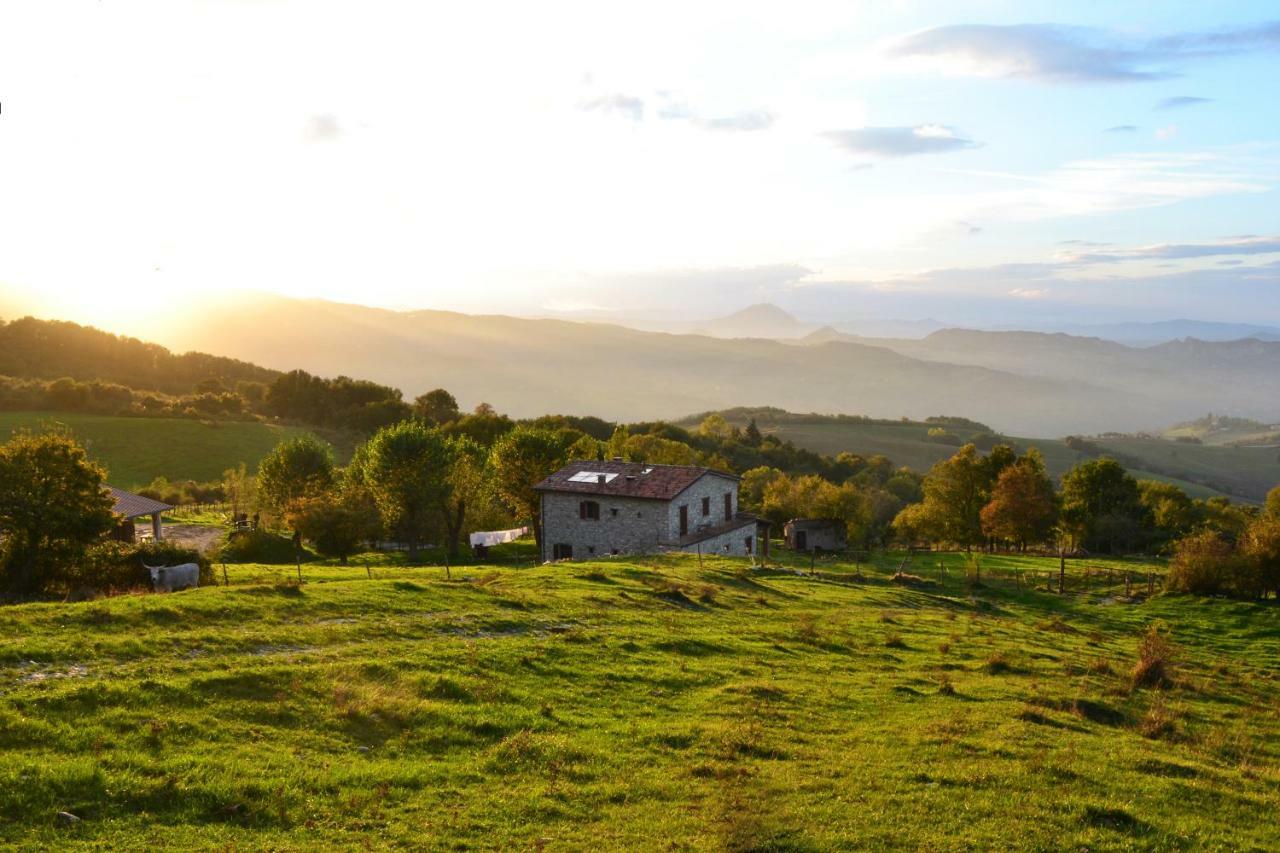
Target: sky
(977, 162)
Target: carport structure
(131, 507)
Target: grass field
(1241, 473)
(137, 450)
(646, 704)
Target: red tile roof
(130, 505)
(629, 480)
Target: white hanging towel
(489, 538)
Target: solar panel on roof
(592, 477)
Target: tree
(337, 521)
(1172, 512)
(714, 426)
(239, 488)
(658, 450)
(955, 491)
(1101, 506)
(406, 469)
(297, 469)
(1261, 547)
(436, 407)
(753, 484)
(811, 496)
(53, 505)
(521, 459)
(468, 484)
(1272, 507)
(752, 437)
(1021, 509)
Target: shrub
(259, 546)
(1203, 564)
(118, 566)
(1155, 657)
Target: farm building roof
(130, 505)
(626, 479)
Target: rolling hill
(137, 450)
(530, 367)
(1240, 473)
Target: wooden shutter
(728, 506)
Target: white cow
(170, 578)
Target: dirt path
(202, 537)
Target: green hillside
(137, 450)
(637, 706)
(1241, 473)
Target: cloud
(322, 128)
(1059, 53)
(1181, 101)
(900, 141)
(1030, 292)
(1122, 128)
(969, 228)
(616, 103)
(747, 120)
(1166, 132)
(1179, 251)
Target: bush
(259, 546)
(1203, 564)
(1155, 657)
(119, 566)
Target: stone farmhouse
(598, 509)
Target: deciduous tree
(521, 459)
(53, 505)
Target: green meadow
(137, 450)
(653, 703)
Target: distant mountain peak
(762, 320)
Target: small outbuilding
(815, 534)
(131, 507)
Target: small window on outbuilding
(589, 510)
(706, 506)
(614, 512)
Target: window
(614, 512)
(684, 520)
(561, 551)
(706, 506)
(749, 544)
(728, 506)
(589, 510)
(591, 549)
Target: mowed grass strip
(637, 704)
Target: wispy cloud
(1122, 128)
(747, 120)
(616, 103)
(1181, 101)
(1069, 54)
(900, 141)
(1178, 251)
(322, 128)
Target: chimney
(600, 479)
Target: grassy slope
(1248, 472)
(633, 705)
(137, 450)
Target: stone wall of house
(711, 486)
(732, 543)
(625, 526)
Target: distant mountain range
(1025, 383)
(770, 321)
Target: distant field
(137, 450)
(638, 705)
(1242, 473)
